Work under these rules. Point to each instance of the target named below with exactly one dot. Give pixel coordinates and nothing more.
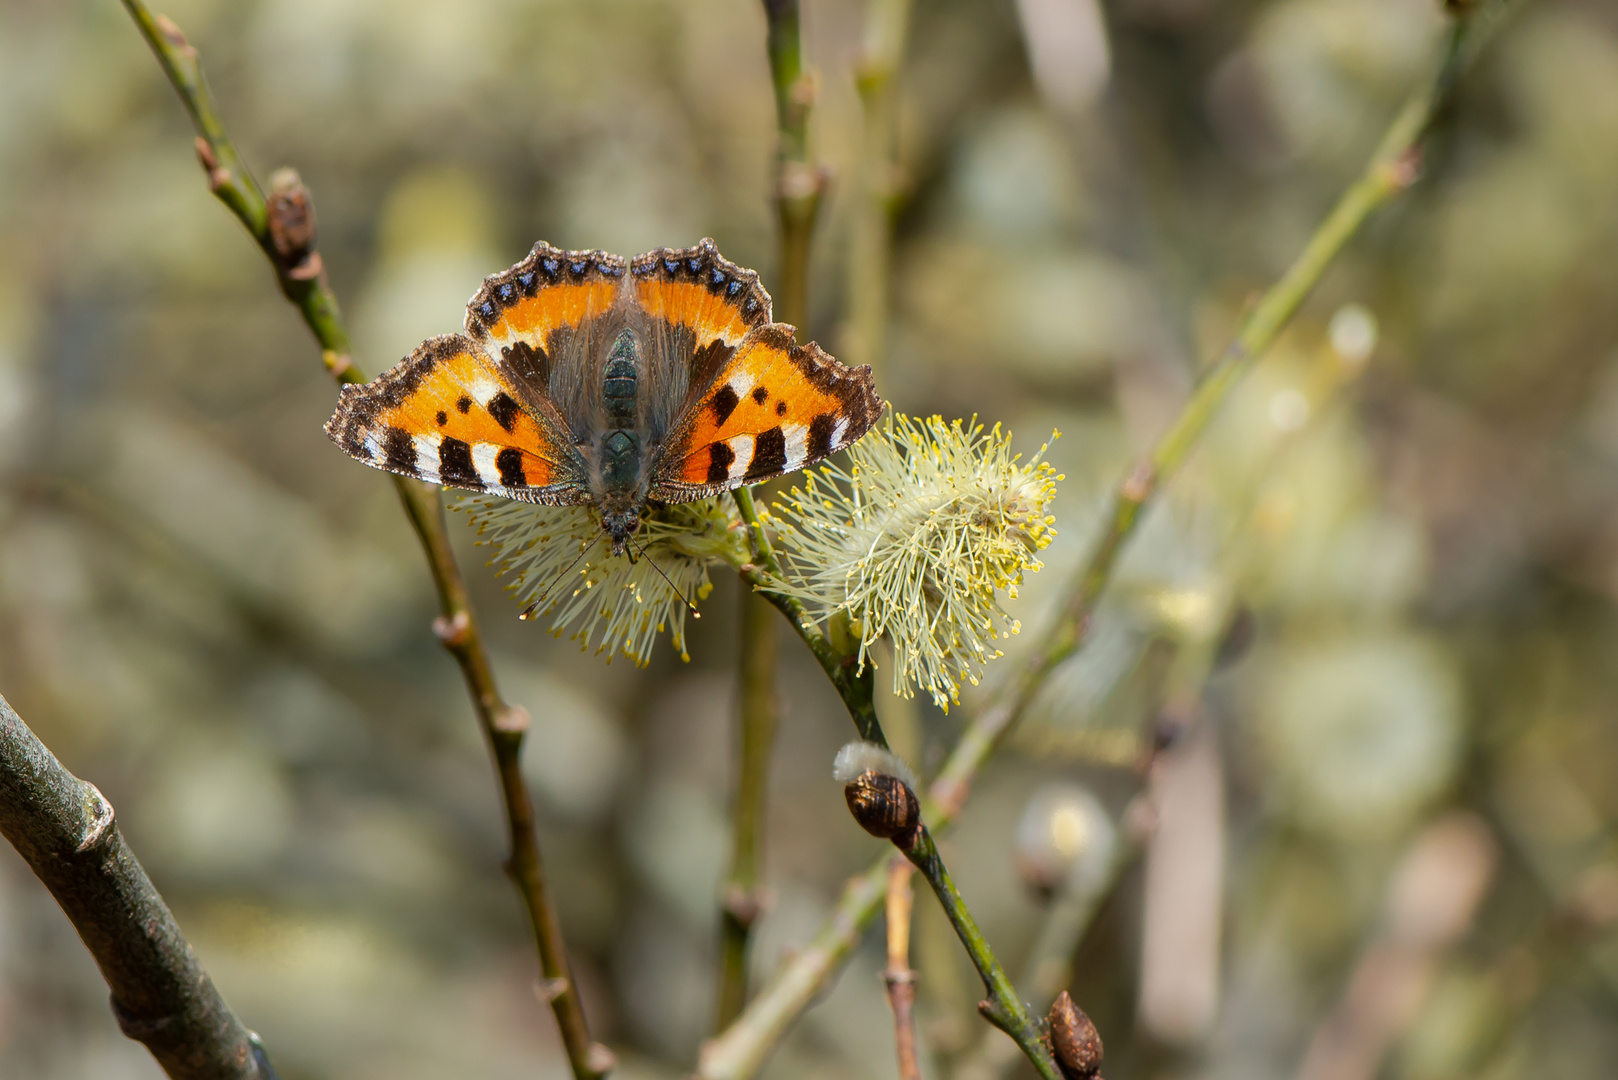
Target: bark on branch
(66, 831)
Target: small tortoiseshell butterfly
(576, 382)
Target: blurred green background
(1381, 597)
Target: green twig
(870, 247)
(759, 713)
(857, 688)
(1003, 1008)
(161, 996)
(739, 1051)
(283, 227)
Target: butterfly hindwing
(446, 415)
(772, 409)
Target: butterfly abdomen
(620, 442)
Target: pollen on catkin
(915, 538)
(561, 566)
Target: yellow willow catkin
(916, 538)
(561, 566)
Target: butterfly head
(620, 525)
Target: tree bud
(1074, 1040)
(884, 806)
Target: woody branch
(283, 227)
(66, 831)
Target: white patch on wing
(797, 440)
(837, 433)
(427, 454)
(373, 444)
(482, 390)
(742, 447)
(742, 384)
(483, 455)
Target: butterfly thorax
(620, 447)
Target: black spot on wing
(504, 408)
(720, 458)
(780, 408)
(760, 394)
(442, 418)
(455, 464)
(465, 404)
(820, 433)
(399, 451)
(769, 454)
(724, 403)
(509, 462)
(527, 363)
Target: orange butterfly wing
(473, 410)
(447, 416)
(773, 408)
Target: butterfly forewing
(446, 415)
(695, 308)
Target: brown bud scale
(884, 806)
(1074, 1040)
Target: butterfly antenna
(528, 612)
(695, 614)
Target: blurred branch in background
(897, 977)
(758, 714)
(161, 996)
(1431, 902)
(876, 183)
(283, 226)
(740, 1051)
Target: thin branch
(758, 716)
(1049, 967)
(870, 245)
(739, 1052)
(66, 831)
(898, 978)
(1003, 1008)
(800, 185)
(856, 687)
(283, 227)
